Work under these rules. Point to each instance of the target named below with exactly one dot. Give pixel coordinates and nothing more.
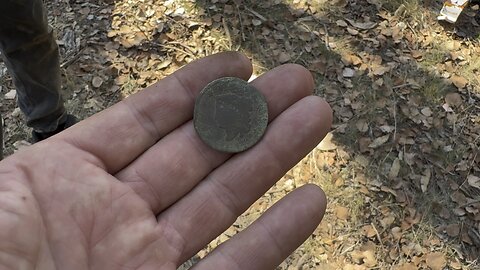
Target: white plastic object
(451, 10)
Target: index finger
(121, 133)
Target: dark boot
(40, 136)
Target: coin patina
(230, 115)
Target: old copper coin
(230, 115)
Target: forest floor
(401, 167)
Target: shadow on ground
(393, 93)
(388, 91)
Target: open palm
(133, 187)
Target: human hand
(133, 187)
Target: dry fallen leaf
(348, 73)
(397, 34)
(350, 266)
(341, 212)
(444, 213)
(357, 256)
(363, 144)
(351, 59)
(362, 25)
(362, 125)
(453, 99)
(97, 82)
(381, 70)
(407, 266)
(465, 238)
(256, 22)
(20, 144)
(379, 141)
(326, 144)
(458, 81)
(436, 260)
(427, 111)
(411, 249)
(352, 31)
(425, 179)
(85, 11)
(164, 64)
(369, 258)
(473, 181)
(284, 57)
(11, 94)
(395, 169)
(417, 54)
(459, 197)
(453, 230)
(456, 265)
(386, 128)
(387, 221)
(397, 232)
(341, 23)
(369, 231)
(447, 108)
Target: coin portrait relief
(230, 115)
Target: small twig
(301, 261)
(386, 156)
(470, 203)
(378, 236)
(327, 42)
(173, 48)
(395, 118)
(437, 165)
(298, 57)
(401, 86)
(257, 15)
(413, 30)
(176, 22)
(227, 32)
(334, 101)
(73, 59)
(241, 23)
(348, 249)
(182, 45)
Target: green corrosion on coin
(230, 115)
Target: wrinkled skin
(133, 187)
